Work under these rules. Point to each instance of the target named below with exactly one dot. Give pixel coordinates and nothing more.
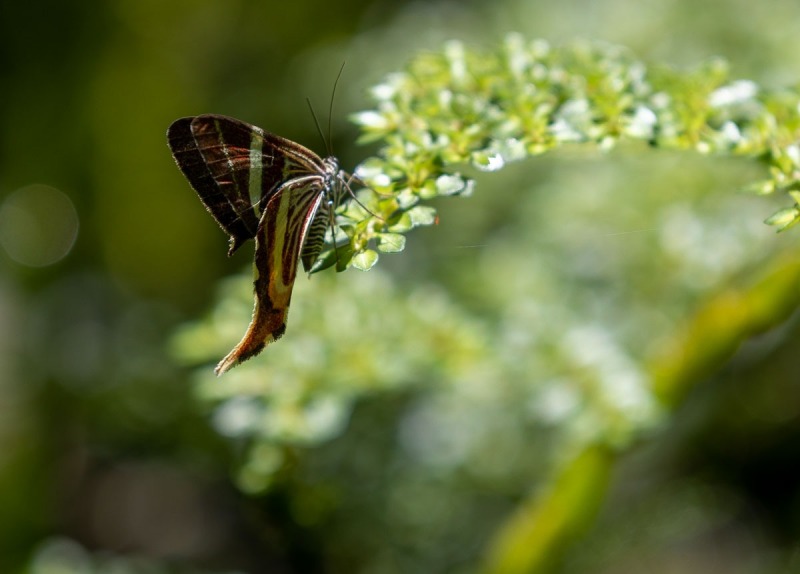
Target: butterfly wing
(232, 208)
(315, 236)
(339, 184)
(235, 166)
(287, 217)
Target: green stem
(537, 534)
(544, 524)
(720, 326)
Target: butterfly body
(260, 186)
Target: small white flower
(642, 122)
(734, 93)
(371, 119)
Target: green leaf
(764, 187)
(343, 254)
(365, 260)
(422, 215)
(406, 198)
(391, 242)
(401, 224)
(784, 218)
(450, 184)
(340, 256)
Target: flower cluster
(460, 107)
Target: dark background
(107, 456)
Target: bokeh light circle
(38, 225)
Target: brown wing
(234, 167)
(282, 231)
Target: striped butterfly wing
(315, 236)
(239, 171)
(235, 167)
(231, 207)
(288, 215)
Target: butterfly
(258, 185)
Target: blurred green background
(410, 409)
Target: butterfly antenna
(332, 213)
(330, 106)
(319, 128)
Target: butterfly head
(331, 165)
(334, 177)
